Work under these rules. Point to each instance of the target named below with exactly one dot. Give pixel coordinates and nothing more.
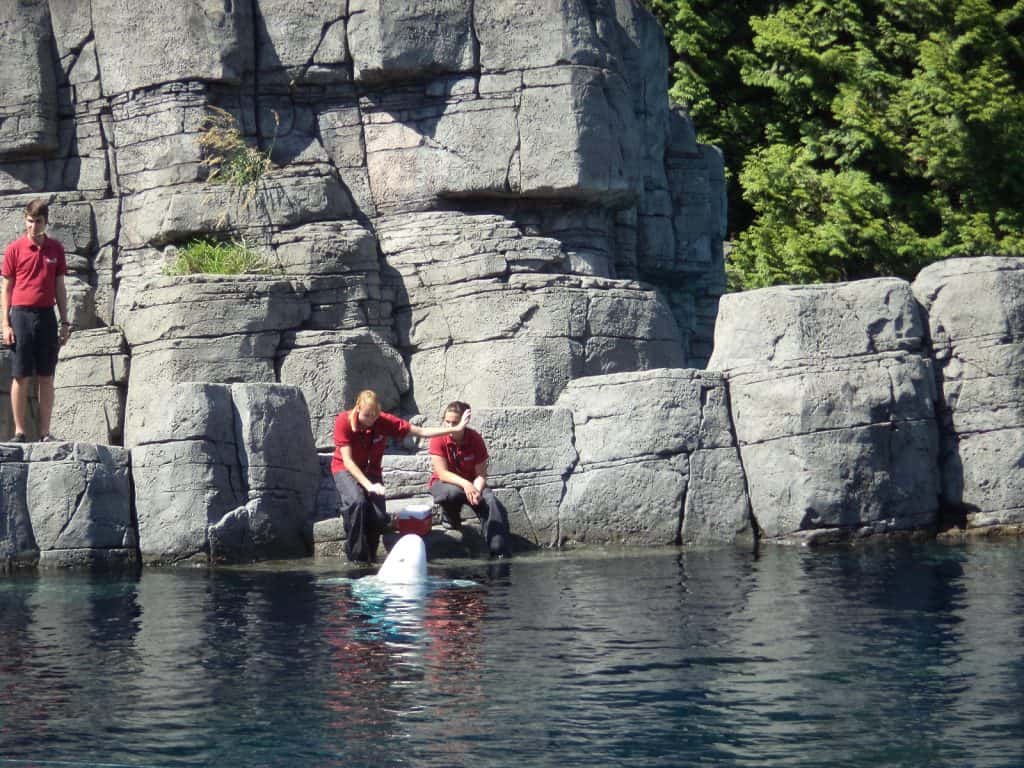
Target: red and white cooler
(416, 518)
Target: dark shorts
(36, 341)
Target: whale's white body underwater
(394, 599)
(406, 563)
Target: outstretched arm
(439, 431)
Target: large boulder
(66, 504)
(532, 34)
(833, 405)
(410, 39)
(555, 132)
(593, 161)
(975, 311)
(658, 463)
(333, 367)
(446, 140)
(302, 41)
(225, 473)
(171, 41)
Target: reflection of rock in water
(454, 621)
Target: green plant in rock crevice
(231, 160)
(207, 256)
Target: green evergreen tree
(709, 41)
(892, 133)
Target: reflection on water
(889, 656)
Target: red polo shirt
(462, 459)
(367, 444)
(33, 270)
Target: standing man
(460, 477)
(33, 281)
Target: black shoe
(19, 438)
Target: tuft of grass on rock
(204, 256)
(230, 159)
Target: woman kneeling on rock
(360, 437)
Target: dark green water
(906, 656)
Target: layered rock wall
(520, 157)
(463, 200)
(488, 200)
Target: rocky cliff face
(536, 135)
(488, 200)
(474, 199)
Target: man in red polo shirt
(460, 477)
(33, 281)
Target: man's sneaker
(19, 438)
(48, 439)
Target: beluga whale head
(406, 563)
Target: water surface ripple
(890, 656)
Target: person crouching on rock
(460, 477)
(360, 437)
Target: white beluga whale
(394, 599)
(406, 563)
